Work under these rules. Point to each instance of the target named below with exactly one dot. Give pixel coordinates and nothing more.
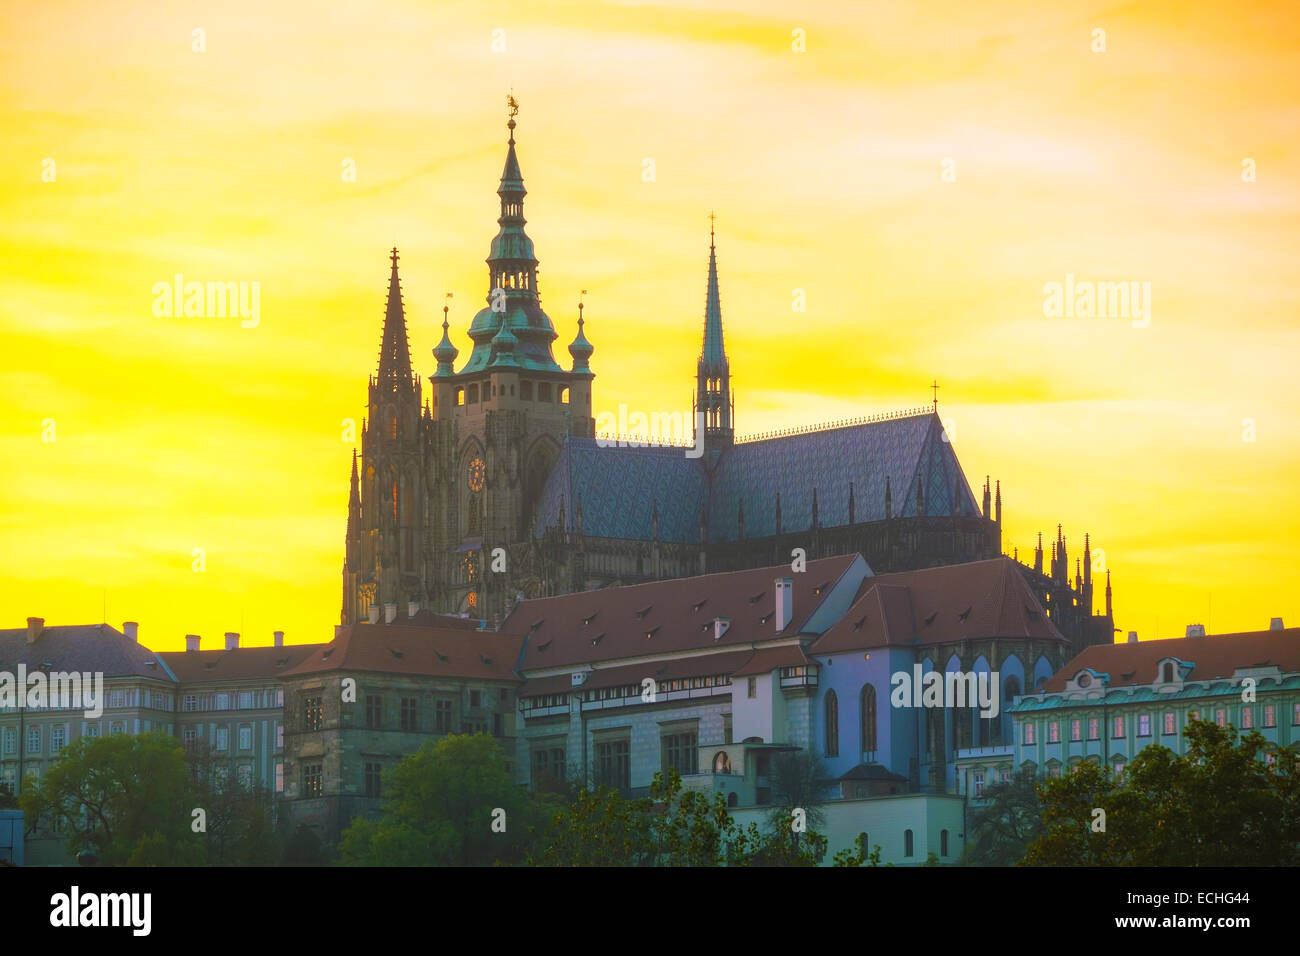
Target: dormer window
(1084, 679)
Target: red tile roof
(767, 659)
(666, 616)
(1215, 656)
(426, 651)
(242, 663)
(979, 599)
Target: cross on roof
(935, 385)
(394, 255)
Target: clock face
(476, 474)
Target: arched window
(832, 725)
(868, 717)
(907, 843)
(721, 762)
(392, 423)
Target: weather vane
(513, 104)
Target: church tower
(498, 425)
(385, 554)
(714, 404)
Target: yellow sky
(825, 168)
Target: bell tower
(714, 402)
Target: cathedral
(494, 485)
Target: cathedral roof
(619, 487)
(975, 600)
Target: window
(1029, 732)
(245, 738)
(753, 687)
(191, 702)
(979, 783)
(223, 702)
(1295, 714)
(1167, 672)
(907, 843)
(498, 725)
(1053, 731)
(312, 784)
(1093, 730)
(726, 728)
(223, 738)
(943, 842)
(245, 700)
(1144, 725)
(543, 391)
(613, 764)
(1076, 729)
(116, 728)
(117, 699)
(442, 716)
(58, 737)
(244, 776)
(190, 736)
(1221, 717)
(832, 724)
(92, 730)
(677, 752)
(1119, 769)
(868, 705)
(1117, 728)
(1247, 717)
(373, 780)
(410, 714)
(1170, 725)
(279, 736)
(374, 711)
(548, 765)
(9, 741)
(279, 776)
(1270, 715)
(475, 698)
(279, 697)
(312, 713)
(33, 740)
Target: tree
(858, 856)
(125, 799)
(1002, 828)
(670, 827)
(1223, 803)
(451, 803)
(239, 828)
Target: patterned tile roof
(619, 487)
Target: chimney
(232, 640)
(372, 613)
(784, 603)
(1275, 624)
(191, 642)
(34, 627)
(720, 626)
(1132, 637)
(131, 629)
(279, 638)
(412, 609)
(390, 613)
(1195, 630)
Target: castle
(494, 485)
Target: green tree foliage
(240, 830)
(126, 799)
(999, 831)
(1220, 804)
(670, 827)
(439, 808)
(858, 856)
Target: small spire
(444, 351)
(580, 348)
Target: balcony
(801, 676)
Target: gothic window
(868, 717)
(392, 423)
(473, 395)
(832, 725)
(394, 501)
(526, 391)
(460, 396)
(543, 391)
(563, 396)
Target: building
(494, 484)
(1110, 702)
(375, 694)
(231, 701)
(717, 675)
(138, 695)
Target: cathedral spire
(352, 547)
(395, 350)
(713, 373)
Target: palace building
(491, 484)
